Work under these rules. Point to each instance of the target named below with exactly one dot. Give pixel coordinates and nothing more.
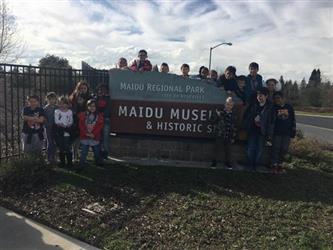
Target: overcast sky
(287, 38)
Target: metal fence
(19, 81)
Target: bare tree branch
(11, 46)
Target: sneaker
(228, 165)
(275, 169)
(213, 164)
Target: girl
(78, 100)
(104, 107)
(91, 125)
(63, 119)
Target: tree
(11, 46)
(56, 73)
(54, 62)
(281, 81)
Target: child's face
(33, 103)
(204, 73)
(229, 105)
(185, 71)
(278, 100)
(83, 89)
(52, 100)
(92, 107)
(102, 91)
(271, 86)
(241, 84)
(122, 63)
(142, 56)
(213, 75)
(228, 74)
(261, 97)
(253, 71)
(164, 69)
(63, 105)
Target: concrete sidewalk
(20, 233)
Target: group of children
(267, 118)
(81, 121)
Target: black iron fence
(19, 81)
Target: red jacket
(146, 65)
(97, 130)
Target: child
(32, 132)
(204, 72)
(79, 97)
(142, 63)
(284, 129)
(122, 64)
(226, 132)
(271, 86)
(63, 119)
(239, 91)
(91, 125)
(257, 119)
(104, 107)
(78, 100)
(228, 80)
(253, 83)
(185, 69)
(213, 78)
(164, 68)
(50, 107)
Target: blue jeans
(85, 150)
(280, 148)
(51, 145)
(255, 144)
(106, 136)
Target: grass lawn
(119, 207)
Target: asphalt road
(316, 127)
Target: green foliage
(54, 62)
(23, 175)
(317, 154)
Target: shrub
(24, 174)
(318, 154)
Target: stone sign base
(184, 149)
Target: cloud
(287, 38)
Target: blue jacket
(249, 92)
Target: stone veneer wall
(186, 149)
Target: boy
(257, 119)
(104, 107)
(239, 91)
(63, 119)
(164, 68)
(226, 132)
(213, 78)
(284, 129)
(228, 80)
(32, 132)
(50, 107)
(185, 69)
(141, 64)
(253, 83)
(271, 86)
(122, 64)
(90, 125)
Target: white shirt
(63, 118)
